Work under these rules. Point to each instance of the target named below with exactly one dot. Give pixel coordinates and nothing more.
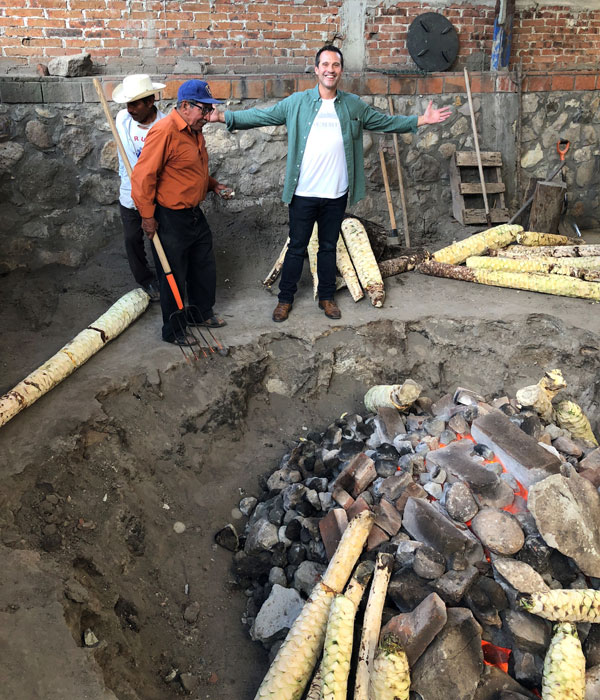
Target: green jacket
(298, 112)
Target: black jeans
(304, 213)
(187, 241)
(134, 246)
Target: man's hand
(149, 227)
(216, 116)
(434, 116)
(224, 192)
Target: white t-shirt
(138, 133)
(324, 172)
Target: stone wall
(217, 36)
(59, 186)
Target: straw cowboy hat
(134, 87)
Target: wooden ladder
(467, 194)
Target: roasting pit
(88, 514)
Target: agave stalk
(564, 605)
(564, 665)
(372, 624)
(359, 248)
(120, 315)
(291, 669)
(390, 677)
(477, 244)
(570, 417)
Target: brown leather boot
(281, 312)
(331, 309)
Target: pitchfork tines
(199, 340)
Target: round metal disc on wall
(432, 42)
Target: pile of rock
(465, 537)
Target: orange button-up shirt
(172, 168)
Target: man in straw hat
(133, 124)
(169, 182)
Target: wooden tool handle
(388, 195)
(477, 152)
(400, 178)
(155, 239)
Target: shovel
(179, 318)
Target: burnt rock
(405, 553)
(427, 523)
(307, 575)
(498, 530)
(417, 629)
(529, 632)
(459, 502)
(277, 576)
(451, 665)
(293, 495)
(246, 566)
(393, 486)
(459, 424)
(262, 536)
(228, 538)
(592, 683)
(407, 590)
(403, 447)
(277, 511)
(247, 505)
(385, 468)
(296, 553)
(526, 667)
(305, 509)
(412, 490)
(316, 552)
(281, 478)
(332, 437)
(562, 569)
(486, 598)
(532, 425)
(279, 555)
(483, 451)
(293, 530)
(536, 553)
(349, 449)
(434, 426)
(317, 484)
(428, 563)
(567, 514)
(494, 684)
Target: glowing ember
(495, 656)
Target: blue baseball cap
(196, 91)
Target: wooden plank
(490, 159)
(458, 201)
(477, 216)
(475, 187)
(501, 197)
(547, 206)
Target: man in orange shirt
(169, 181)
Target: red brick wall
(278, 35)
(551, 37)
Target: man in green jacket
(324, 169)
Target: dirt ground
(96, 474)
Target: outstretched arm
(433, 116)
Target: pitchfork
(178, 319)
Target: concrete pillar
(352, 16)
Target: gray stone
(428, 563)
(393, 486)
(592, 683)
(447, 150)
(427, 523)
(62, 92)
(281, 478)
(498, 530)
(453, 585)
(262, 536)
(101, 189)
(495, 684)
(10, 154)
(277, 613)
(459, 502)
(191, 613)
(189, 682)
(532, 157)
(522, 577)
(293, 495)
(108, 156)
(417, 629)
(37, 134)
(529, 632)
(20, 92)
(434, 489)
(405, 552)
(247, 505)
(567, 514)
(71, 66)
(277, 576)
(74, 143)
(307, 575)
(451, 665)
(527, 667)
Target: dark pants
(304, 213)
(187, 241)
(134, 246)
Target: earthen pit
(191, 439)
